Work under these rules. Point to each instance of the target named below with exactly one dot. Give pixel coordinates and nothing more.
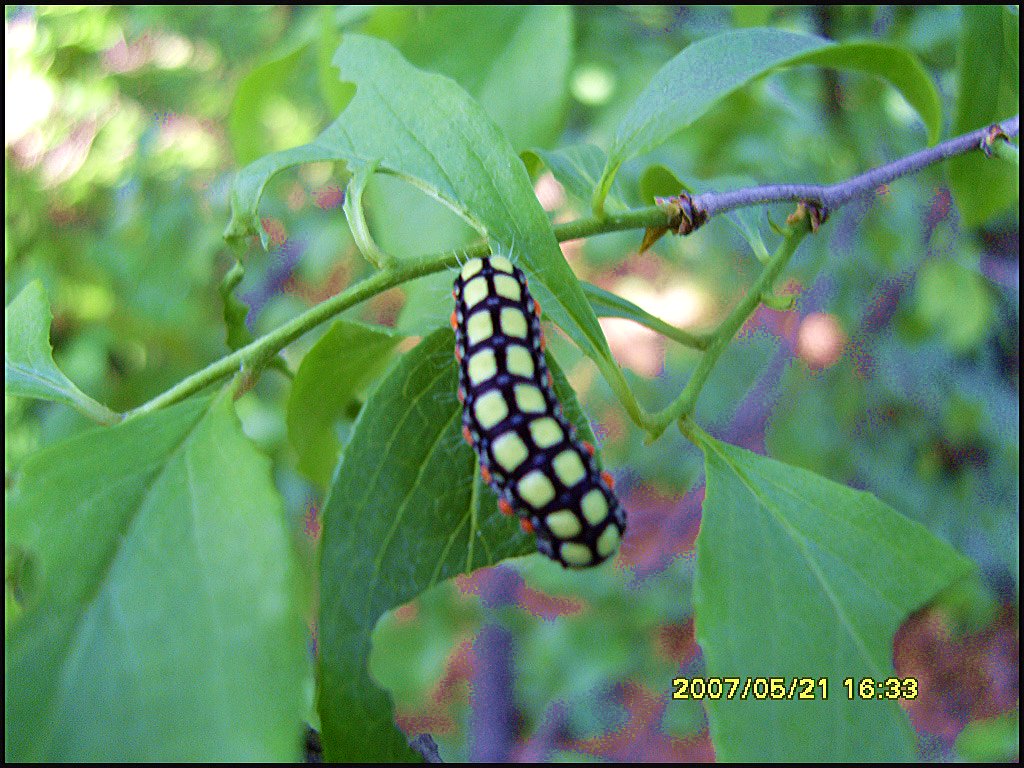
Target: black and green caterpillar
(529, 452)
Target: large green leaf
(710, 69)
(425, 129)
(989, 91)
(514, 60)
(161, 618)
(407, 510)
(798, 576)
(894, 63)
(29, 369)
(341, 363)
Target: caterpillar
(529, 453)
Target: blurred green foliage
(125, 124)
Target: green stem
(97, 411)
(638, 218)
(269, 345)
(357, 223)
(1004, 150)
(604, 186)
(691, 431)
(684, 404)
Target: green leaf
(608, 304)
(336, 93)
(255, 98)
(710, 69)
(514, 60)
(747, 221)
(752, 15)
(954, 302)
(248, 186)
(988, 93)
(798, 576)
(995, 740)
(427, 306)
(660, 181)
(29, 369)
(424, 128)
(407, 511)
(894, 63)
(339, 366)
(577, 168)
(161, 617)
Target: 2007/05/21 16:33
(798, 688)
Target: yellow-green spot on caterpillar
(513, 323)
(569, 468)
(545, 432)
(479, 328)
(519, 361)
(482, 366)
(563, 524)
(536, 489)
(471, 268)
(529, 399)
(501, 264)
(576, 554)
(595, 507)
(491, 409)
(506, 286)
(509, 451)
(474, 292)
(608, 542)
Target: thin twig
(697, 209)
(686, 401)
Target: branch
(679, 409)
(690, 212)
(682, 214)
(265, 347)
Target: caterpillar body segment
(528, 450)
